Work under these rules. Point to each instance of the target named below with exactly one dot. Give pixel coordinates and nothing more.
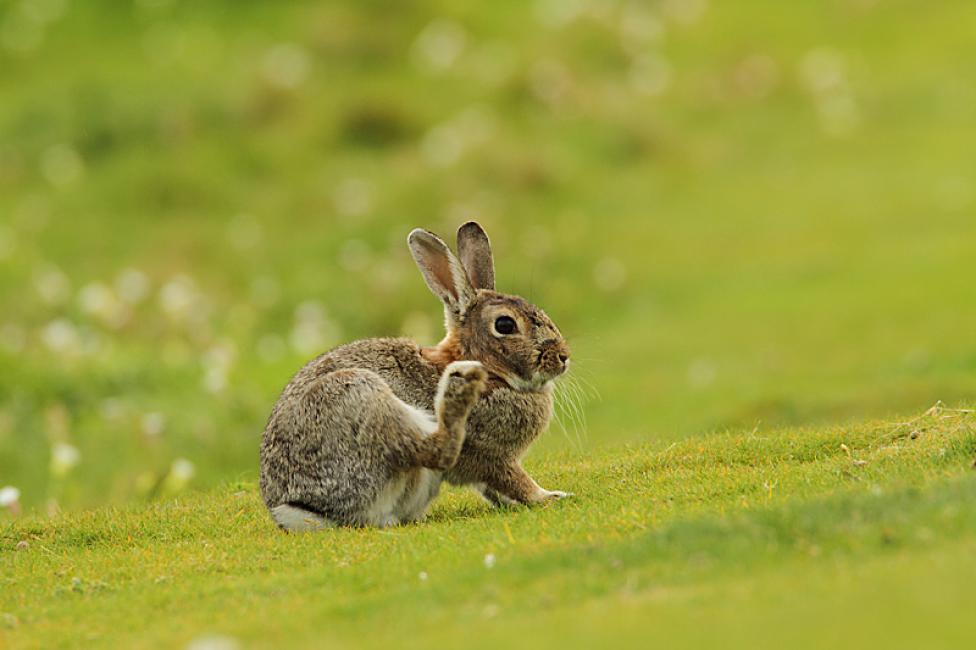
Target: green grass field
(854, 536)
(753, 220)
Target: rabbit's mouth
(540, 381)
(536, 384)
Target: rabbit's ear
(443, 272)
(474, 249)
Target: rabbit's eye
(505, 325)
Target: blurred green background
(740, 213)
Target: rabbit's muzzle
(554, 358)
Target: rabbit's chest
(509, 418)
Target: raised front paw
(468, 370)
(466, 381)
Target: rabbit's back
(397, 360)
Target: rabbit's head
(511, 337)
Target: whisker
(574, 412)
(570, 398)
(560, 414)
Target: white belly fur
(403, 500)
(423, 420)
(399, 502)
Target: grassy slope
(771, 272)
(861, 535)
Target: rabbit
(365, 434)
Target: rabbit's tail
(298, 518)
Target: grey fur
(474, 251)
(345, 443)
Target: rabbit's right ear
(443, 272)
(474, 249)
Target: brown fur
(445, 352)
(342, 443)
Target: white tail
(298, 520)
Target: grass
(195, 198)
(754, 223)
(857, 535)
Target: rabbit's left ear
(443, 272)
(474, 249)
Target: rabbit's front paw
(465, 382)
(467, 370)
(461, 385)
(551, 495)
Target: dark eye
(505, 325)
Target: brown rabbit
(364, 434)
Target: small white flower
(112, 408)
(98, 300)
(685, 12)
(52, 284)
(95, 298)
(180, 473)
(439, 45)
(639, 27)
(307, 338)
(286, 66)
(650, 74)
(554, 14)
(64, 457)
(215, 380)
(153, 423)
(313, 330)
(178, 296)
(823, 70)
(182, 469)
(9, 496)
(213, 642)
(489, 560)
(423, 576)
(220, 356)
(132, 286)
(442, 146)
